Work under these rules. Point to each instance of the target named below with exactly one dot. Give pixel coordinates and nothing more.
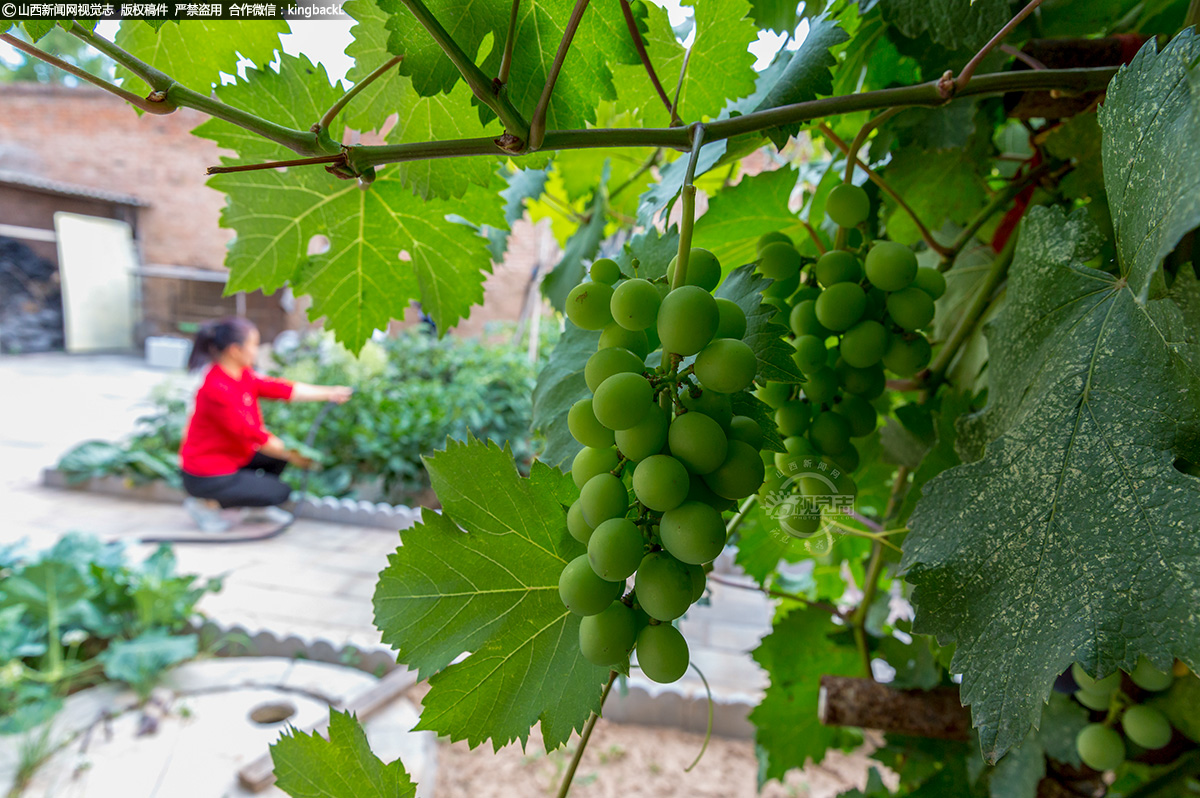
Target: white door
(96, 262)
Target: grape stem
(736, 521)
(948, 88)
(640, 46)
(688, 216)
(565, 787)
(708, 731)
(509, 40)
(336, 108)
(930, 241)
(537, 128)
(874, 569)
(843, 234)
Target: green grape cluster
(1144, 726)
(664, 456)
(853, 316)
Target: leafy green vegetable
(140, 661)
(311, 766)
(485, 574)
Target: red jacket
(226, 427)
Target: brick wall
(87, 137)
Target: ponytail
(215, 336)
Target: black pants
(256, 484)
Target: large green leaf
(1151, 154)
(482, 577)
(361, 280)
(342, 766)
(807, 73)
(1073, 539)
(767, 337)
(195, 52)
(954, 24)
(739, 215)
(585, 79)
(561, 384)
(947, 186)
(796, 653)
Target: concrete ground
(315, 581)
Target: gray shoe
(273, 515)
(208, 515)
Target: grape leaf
(739, 215)
(482, 577)
(583, 245)
(954, 24)
(787, 732)
(1151, 154)
(585, 79)
(749, 405)
(1073, 538)
(361, 280)
(948, 186)
(806, 75)
(194, 52)
(369, 50)
(767, 337)
(776, 15)
(1018, 773)
(652, 250)
(311, 766)
(561, 384)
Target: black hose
(279, 530)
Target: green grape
(837, 266)
(793, 418)
(693, 533)
(698, 442)
(1100, 747)
(931, 281)
(703, 269)
(771, 238)
(687, 320)
(603, 497)
(607, 362)
(585, 428)
(662, 653)
(623, 400)
(847, 205)
(782, 289)
(590, 462)
(797, 450)
(740, 475)
(635, 304)
(646, 437)
(726, 366)
(660, 482)
(713, 404)
(1104, 686)
(806, 293)
(605, 639)
(810, 353)
(829, 432)
(1146, 726)
(869, 383)
(859, 415)
(582, 592)
(731, 320)
(663, 585)
(905, 357)
(1097, 701)
(699, 581)
(577, 525)
(847, 460)
(773, 304)
(1148, 677)
(864, 344)
(821, 386)
(615, 549)
(840, 306)
(605, 271)
(803, 320)
(779, 261)
(891, 266)
(587, 306)
(911, 308)
(774, 394)
(745, 429)
(844, 483)
(614, 335)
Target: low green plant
(80, 613)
